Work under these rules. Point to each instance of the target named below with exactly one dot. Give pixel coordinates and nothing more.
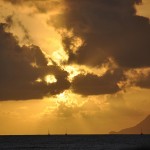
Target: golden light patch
(73, 71)
(143, 9)
(39, 80)
(50, 79)
(34, 65)
(65, 97)
(61, 97)
(76, 43)
(66, 33)
(59, 56)
(69, 98)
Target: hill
(143, 125)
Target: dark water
(76, 142)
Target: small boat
(48, 132)
(66, 132)
(141, 132)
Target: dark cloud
(10, 22)
(143, 80)
(110, 28)
(20, 67)
(91, 84)
(16, 1)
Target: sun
(62, 97)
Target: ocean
(75, 142)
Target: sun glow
(73, 71)
(66, 97)
(61, 97)
(50, 79)
(69, 99)
(39, 80)
(59, 56)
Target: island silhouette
(141, 128)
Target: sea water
(75, 142)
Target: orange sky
(72, 108)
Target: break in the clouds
(23, 71)
(109, 29)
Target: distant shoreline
(75, 135)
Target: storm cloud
(91, 84)
(20, 67)
(143, 80)
(110, 29)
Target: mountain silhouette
(142, 127)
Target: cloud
(103, 29)
(138, 78)
(110, 29)
(42, 6)
(20, 67)
(143, 80)
(91, 84)
(15, 1)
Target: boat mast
(66, 132)
(141, 131)
(48, 132)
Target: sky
(69, 64)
